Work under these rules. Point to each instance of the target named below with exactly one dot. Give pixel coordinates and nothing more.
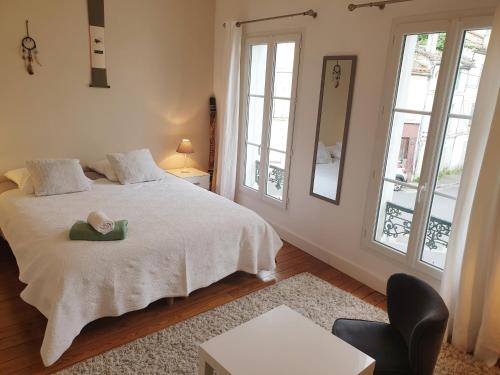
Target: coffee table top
(282, 341)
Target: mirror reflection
(333, 121)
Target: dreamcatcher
(337, 72)
(29, 51)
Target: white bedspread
(180, 238)
(325, 179)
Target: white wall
(160, 68)
(331, 232)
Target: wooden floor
(22, 326)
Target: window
(270, 78)
(436, 69)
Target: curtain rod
(309, 12)
(380, 4)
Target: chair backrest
(418, 312)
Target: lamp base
(184, 167)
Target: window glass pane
(469, 71)
(406, 147)
(445, 193)
(279, 124)
(283, 73)
(395, 216)
(283, 85)
(419, 71)
(258, 69)
(276, 174)
(437, 235)
(454, 147)
(255, 116)
(252, 163)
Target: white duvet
(180, 238)
(325, 179)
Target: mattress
(180, 238)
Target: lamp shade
(185, 147)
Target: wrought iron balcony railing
(398, 220)
(276, 175)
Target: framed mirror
(337, 83)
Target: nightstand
(193, 175)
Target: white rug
(174, 350)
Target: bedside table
(193, 175)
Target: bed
(181, 238)
(325, 179)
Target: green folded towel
(82, 231)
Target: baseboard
(338, 262)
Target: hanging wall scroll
(97, 50)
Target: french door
(270, 70)
(434, 73)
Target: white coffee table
(281, 341)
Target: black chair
(410, 344)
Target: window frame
(271, 40)
(455, 27)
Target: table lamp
(185, 147)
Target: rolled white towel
(100, 222)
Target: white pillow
(104, 167)
(135, 166)
(22, 178)
(57, 176)
(322, 155)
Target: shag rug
(174, 350)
